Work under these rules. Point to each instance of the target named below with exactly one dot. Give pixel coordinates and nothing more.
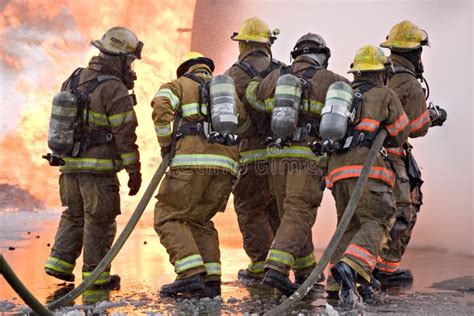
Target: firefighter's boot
(367, 291)
(68, 277)
(346, 277)
(399, 278)
(299, 280)
(279, 280)
(248, 276)
(211, 289)
(191, 285)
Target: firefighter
(199, 181)
(377, 107)
(88, 183)
(257, 214)
(406, 41)
(295, 172)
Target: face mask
(128, 74)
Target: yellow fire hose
(284, 307)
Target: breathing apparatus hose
(18, 286)
(301, 292)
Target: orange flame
(44, 41)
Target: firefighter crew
(198, 183)
(88, 183)
(295, 172)
(257, 214)
(405, 42)
(356, 255)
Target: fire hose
(301, 292)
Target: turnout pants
(406, 215)
(369, 227)
(257, 212)
(187, 201)
(297, 187)
(88, 222)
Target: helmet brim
(183, 68)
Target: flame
(44, 41)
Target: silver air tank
(336, 114)
(223, 104)
(61, 124)
(287, 103)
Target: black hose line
(301, 292)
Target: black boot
(60, 275)
(190, 285)
(367, 291)
(211, 289)
(346, 277)
(279, 280)
(113, 284)
(246, 275)
(399, 278)
(299, 280)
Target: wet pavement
(444, 282)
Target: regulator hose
(18, 286)
(117, 246)
(301, 292)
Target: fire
(44, 41)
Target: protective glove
(134, 182)
(437, 115)
(165, 151)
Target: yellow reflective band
(293, 152)
(256, 267)
(95, 296)
(193, 109)
(90, 164)
(315, 106)
(213, 268)
(167, 93)
(253, 155)
(63, 111)
(187, 263)
(287, 90)
(96, 118)
(205, 160)
(163, 130)
(129, 158)
(103, 278)
(122, 118)
(251, 96)
(269, 104)
(304, 262)
(340, 95)
(281, 257)
(59, 265)
(244, 127)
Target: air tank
(223, 104)
(61, 124)
(287, 103)
(336, 112)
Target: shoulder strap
(364, 88)
(75, 78)
(247, 68)
(400, 70)
(92, 84)
(194, 78)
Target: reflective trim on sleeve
(362, 254)
(378, 173)
(205, 160)
(387, 266)
(398, 126)
(269, 104)
(251, 96)
(292, 152)
(93, 164)
(396, 151)
(193, 109)
(59, 265)
(420, 121)
(187, 263)
(304, 262)
(368, 125)
(122, 118)
(250, 156)
(96, 118)
(256, 267)
(167, 93)
(281, 257)
(130, 158)
(103, 278)
(163, 130)
(213, 268)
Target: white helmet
(119, 41)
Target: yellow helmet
(369, 58)
(255, 30)
(119, 41)
(193, 58)
(405, 36)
